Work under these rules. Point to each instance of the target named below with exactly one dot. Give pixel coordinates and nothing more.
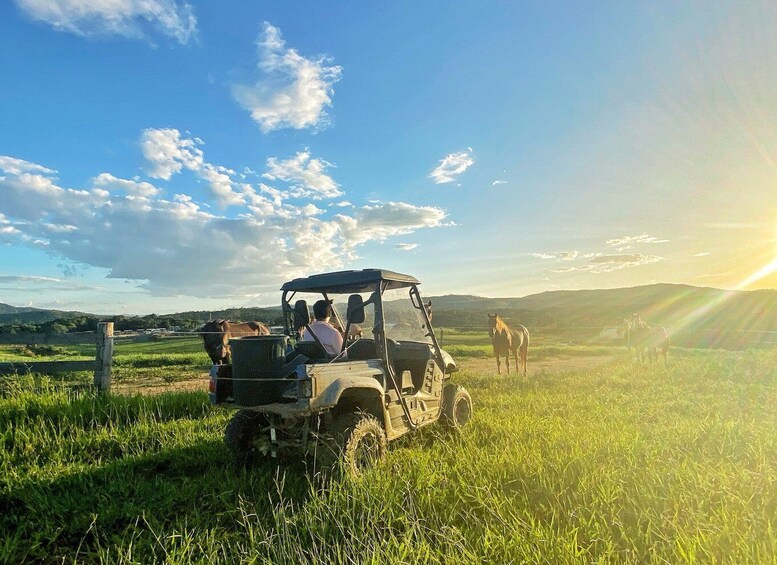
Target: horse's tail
(524, 346)
(260, 328)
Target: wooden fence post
(104, 358)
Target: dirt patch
(475, 365)
(547, 364)
(159, 386)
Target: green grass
(626, 463)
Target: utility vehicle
(390, 378)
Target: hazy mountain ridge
(29, 315)
(675, 306)
(8, 309)
(694, 316)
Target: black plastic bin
(255, 361)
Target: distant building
(609, 332)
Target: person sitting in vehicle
(327, 334)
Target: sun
(764, 271)
(768, 269)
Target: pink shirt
(330, 338)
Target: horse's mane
(499, 323)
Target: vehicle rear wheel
(456, 407)
(241, 434)
(355, 443)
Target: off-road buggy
(391, 376)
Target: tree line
(187, 321)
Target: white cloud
(174, 246)
(14, 166)
(168, 153)
(559, 256)
(381, 221)
(110, 182)
(626, 242)
(406, 246)
(451, 166)
(294, 91)
(6, 227)
(497, 182)
(128, 18)
(4, 279)
(13, 283)
(306, 176)
(608, 263)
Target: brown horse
(505, 340)
(217, 333)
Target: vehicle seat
(312, 350)
(362, 349)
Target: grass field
(617, 463)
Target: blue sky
(163, 156)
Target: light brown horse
(505, 340)
(654, 340)
(646, 340)
(217, 333)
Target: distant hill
(694, 315)
(8, 309)
(269, 315)
(27, 315)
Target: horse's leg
(524, 355)
(498, 365)
(507, 360)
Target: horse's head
(214, 336)
(428, 308)
(493, 321)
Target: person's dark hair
(322, 309)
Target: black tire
(241, 434)
(456, 407)
(354, 443)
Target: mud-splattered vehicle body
(389, 378)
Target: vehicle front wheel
(456, 407)
(356, 442)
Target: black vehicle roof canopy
(350, 281)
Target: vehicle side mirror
(301, 314)
(355, 309)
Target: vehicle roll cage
(375, 282)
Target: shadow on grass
(84, 492)
(197, 485)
